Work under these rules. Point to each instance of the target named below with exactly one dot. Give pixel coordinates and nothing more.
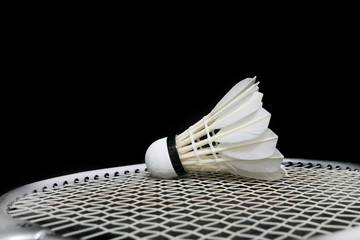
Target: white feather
(269, 168)
(259, 148)
(262, 175)
(267, 165)
(239, 88)
(241, 109)
(245, 129)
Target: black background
(93, 96)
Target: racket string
(210, 205)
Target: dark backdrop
(75, 103)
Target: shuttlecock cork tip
(162, 159)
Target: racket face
(129, 203)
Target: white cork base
(158, 161)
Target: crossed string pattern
(199, 206)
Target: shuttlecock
(234, 137)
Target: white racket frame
(11, 228)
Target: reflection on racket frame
(320, 199)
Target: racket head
(203, 197)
